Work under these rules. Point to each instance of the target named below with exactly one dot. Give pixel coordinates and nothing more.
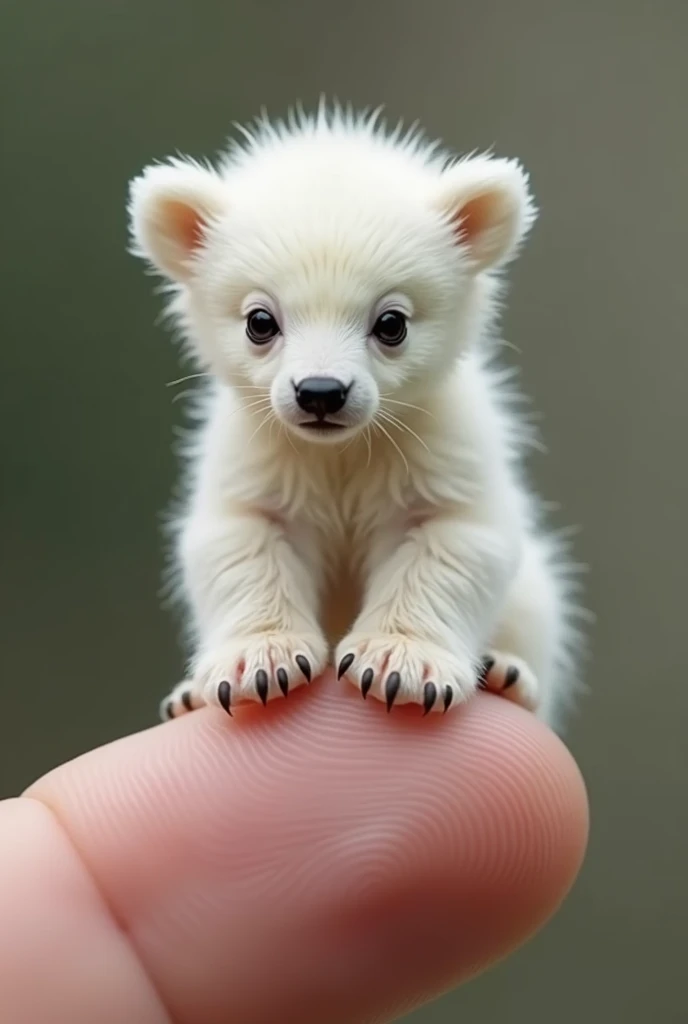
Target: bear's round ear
(489, 206)
(170, 209)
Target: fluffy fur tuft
(356, 479)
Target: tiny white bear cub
(356, 481)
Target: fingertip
(386, 856)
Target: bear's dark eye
(390, 328)
(261, 327)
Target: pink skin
(315, 860)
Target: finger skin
(62, 960)
(314, 860)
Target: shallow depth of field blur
(592, 97)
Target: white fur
(408, 538)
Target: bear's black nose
(321, 395)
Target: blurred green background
(592, 96)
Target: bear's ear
(170, 209)
(488, 204)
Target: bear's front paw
(398, 669)
(258, 667)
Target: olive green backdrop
(592, 96)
